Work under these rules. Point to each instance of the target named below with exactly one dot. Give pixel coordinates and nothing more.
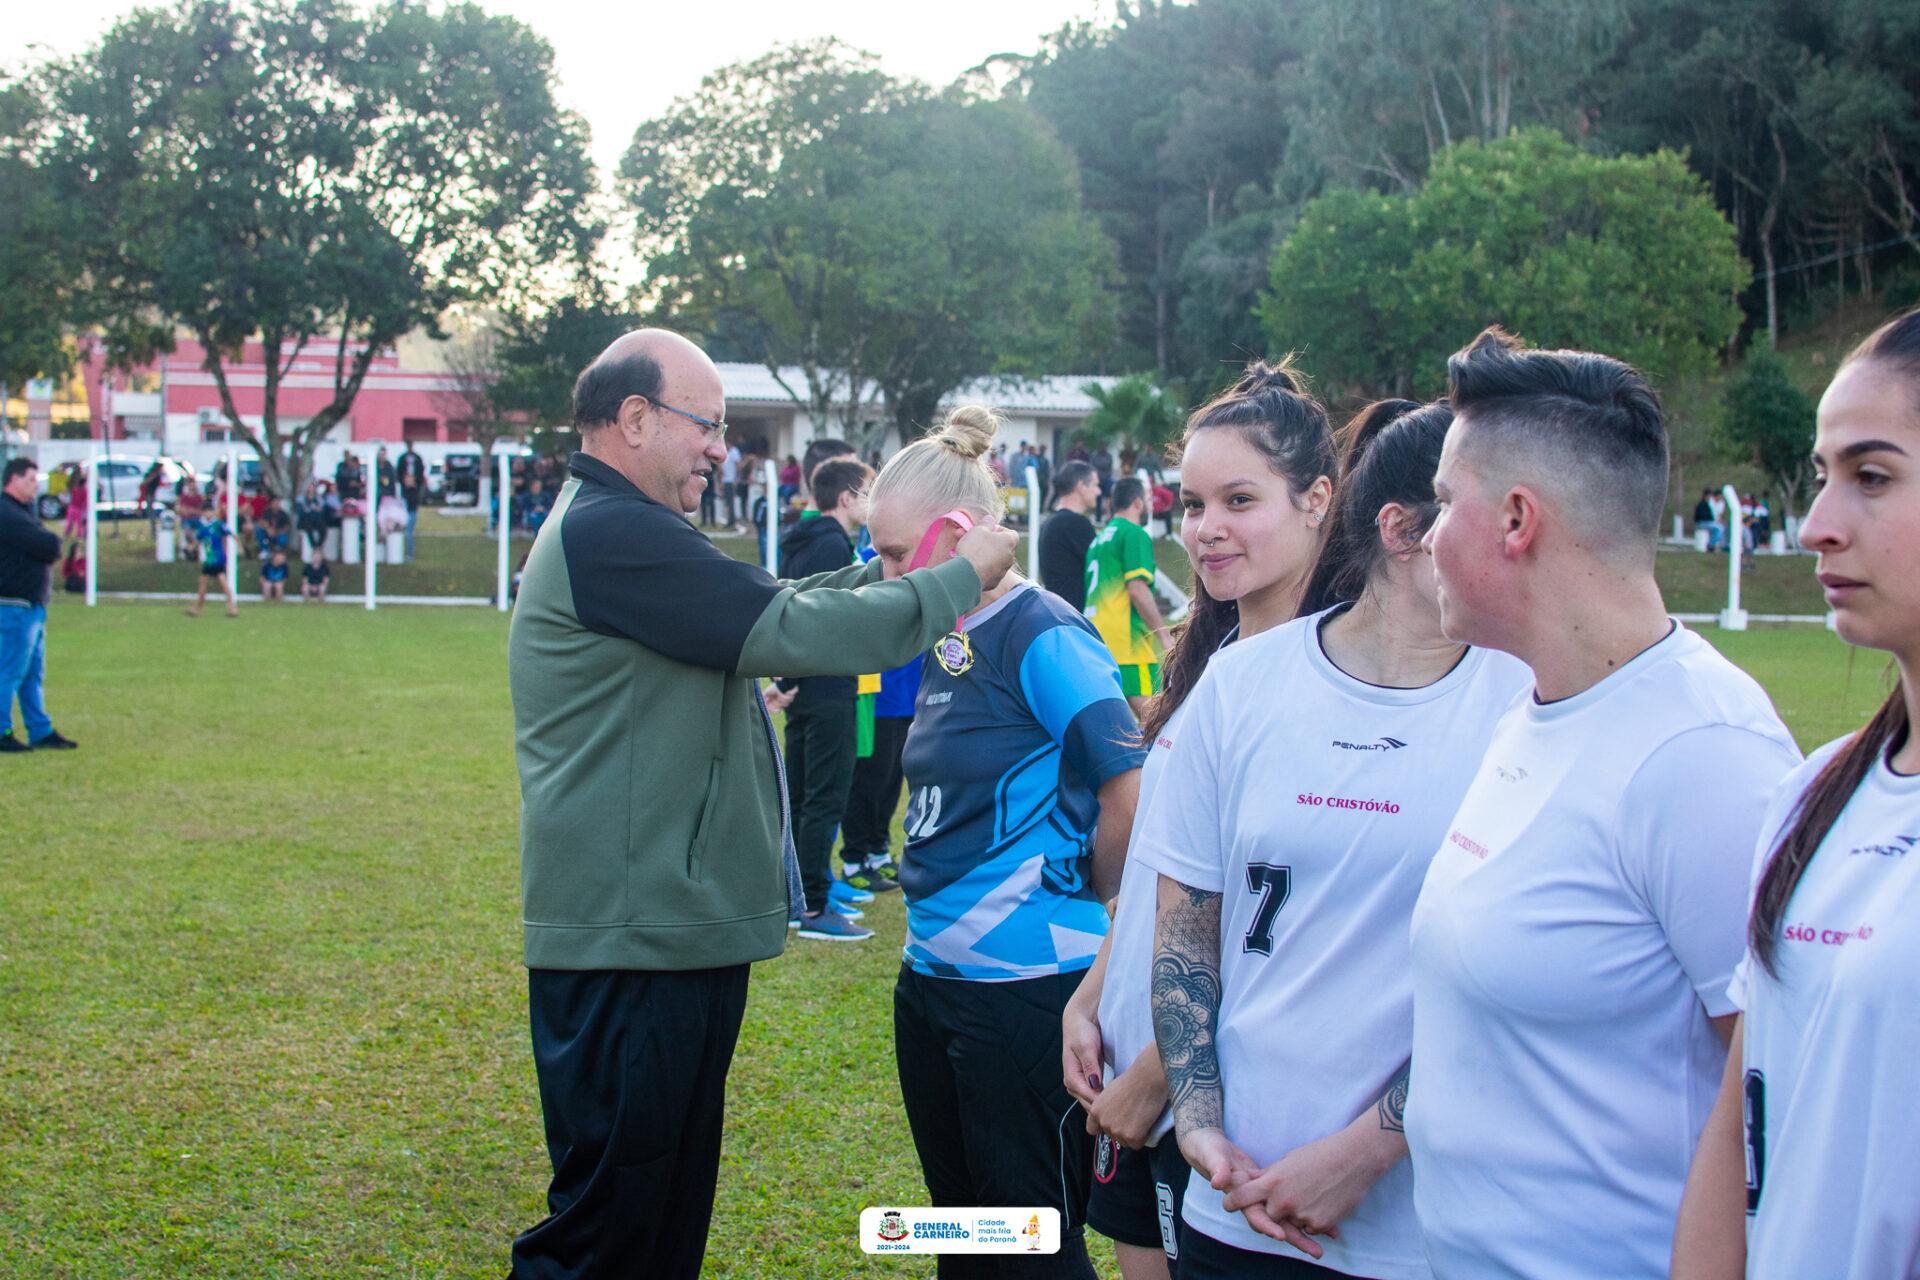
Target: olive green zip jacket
(653, 825)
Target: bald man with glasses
(656, 856)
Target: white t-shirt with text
(1577, 929)
(1312, 802)
(1832, 1046)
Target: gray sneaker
(831, 926)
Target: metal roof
(1060, 393)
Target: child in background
(313, 579)
(213, 535)
(273, 576)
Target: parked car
(120, 480)
(461, 484)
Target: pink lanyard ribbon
(925, 551)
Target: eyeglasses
(710, 429)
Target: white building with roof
(765, 420)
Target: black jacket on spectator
(817, 544)
(1064, 539)
(27, 552)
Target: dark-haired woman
(1824, 1070)
(1255, 484)
(1315, 774)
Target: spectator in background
(273, 575)
(1120, 572)
(1703, 518)
(77, 500)
(821, 742)
(710, 500)
(411, 474)
(539, 503)
(313, 578)
(274, 528)
(382, 475)
(820, 451)
(1044, 467)
(866, 827)
(789, 477)
(188, 506)
(1068, 532)
(349, 479)
(1102, 461)
(150, 489)
(27, 552)
(1762, 521)
(730, 485)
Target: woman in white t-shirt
(1808, 1165)
(1255, 484)
(1316, 770)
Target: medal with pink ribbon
(954, 652)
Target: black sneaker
(52, 742)
(870, 880)
(10, 744)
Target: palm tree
(1136, 410)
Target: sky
(623, 64)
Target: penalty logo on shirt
(954, 653)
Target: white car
(119, 487)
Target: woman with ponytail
(1808, 1165)
(1317, 766)
(1022, 769)
(1256, 480)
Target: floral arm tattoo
(1393, 1103)
(1186, 1006)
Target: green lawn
(264, 1013)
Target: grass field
(264, 1012)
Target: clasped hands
(1305, 1193)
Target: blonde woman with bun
(1022, 767)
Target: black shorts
(1204, 1258)
(1137, 1194)
(992, 1121)
(211, 574)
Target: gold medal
(954, 653)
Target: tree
(1626, 256)
(537, 357)
(889, 243)
(967, 283)
(1173, 112)
(303, 174)
(1767, 421)
(747, 197)
(38, 270)
(1136, 410)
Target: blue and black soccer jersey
(1004, 762)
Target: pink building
(406, 397)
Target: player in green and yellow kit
(1120, 600)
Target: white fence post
(506, 537)
(370, 533)
(233, 526)
(93, 529)
(1733, 617)
(773, 518)
(1035, 511)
